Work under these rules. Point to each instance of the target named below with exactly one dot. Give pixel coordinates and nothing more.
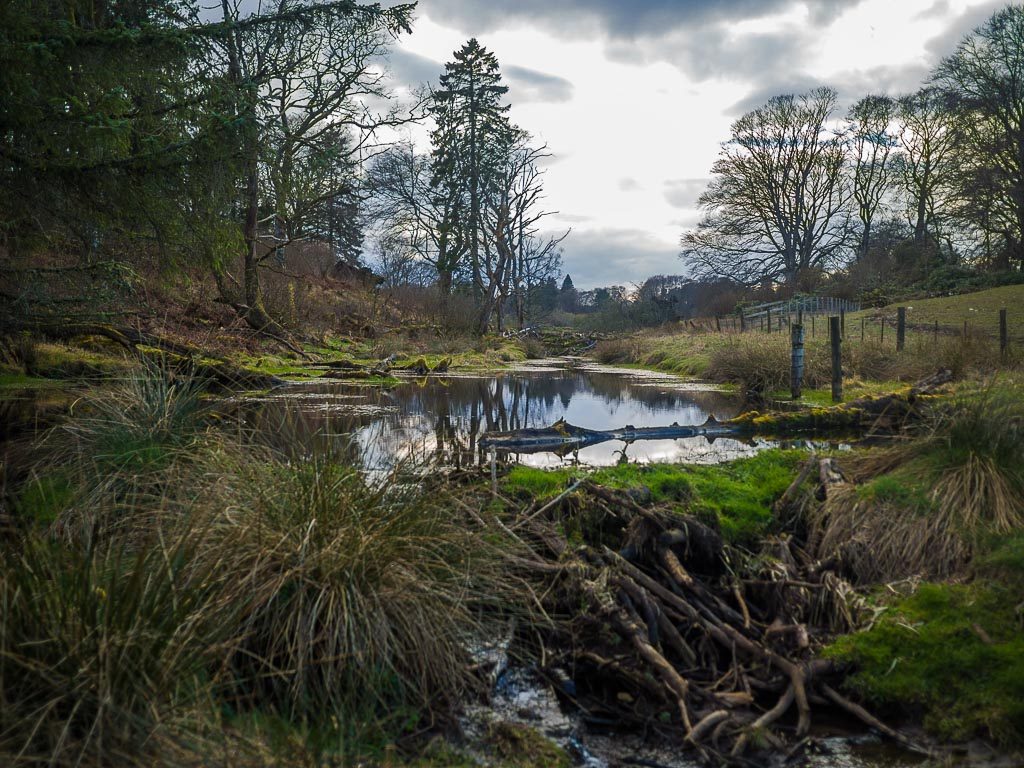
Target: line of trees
(936, 176)
(217, 137)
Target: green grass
(736, 495)
(953, 652)
(980, 309)
(15, 380)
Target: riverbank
(759, 363)
(146, 470)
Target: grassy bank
(759, 363)
(947, 507)
(735, 498)
(171, 587)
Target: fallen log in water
(885, 412)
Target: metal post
(901, 328)
(743, 322)
(796, 374)
(862, 330)
(842, 318)
(837, 359)
(936, 333)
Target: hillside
(980, 310)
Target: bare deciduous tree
(778, 204)
(869, 129)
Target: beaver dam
(558, 565)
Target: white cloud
(634, 99)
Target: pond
(439, 420)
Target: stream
(438, 421)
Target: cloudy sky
(634, 97)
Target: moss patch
(737, 495)
(954, 652)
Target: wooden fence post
(862, 330)
(718, 324)
(743, 322)
(935, 337)
(768, 316)
(901, 328)
(837, 359)
(796, 373)
(842, 319)
(1004, 337)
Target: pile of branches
(663, 628)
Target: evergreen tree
(568, 296)
(471, 140)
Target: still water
(439, 420)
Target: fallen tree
(183, 359)
(882, 413)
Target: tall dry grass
(106, 652)
(357, 597)
(926, 504)
(197, 572)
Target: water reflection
(440, 420)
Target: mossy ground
(489, 353)
(954, 653)
(737, 495)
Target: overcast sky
(634, 97)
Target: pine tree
(470, 141)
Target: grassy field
(758, 361)
(979, 310)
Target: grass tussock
(202, 576)
(357, 597)
(106, 652)
(925, 506)
(124, 450)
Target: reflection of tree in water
(441, 420)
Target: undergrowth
(171, 581)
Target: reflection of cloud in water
(440, 420)
(689, 450)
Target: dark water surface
(441, 419)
